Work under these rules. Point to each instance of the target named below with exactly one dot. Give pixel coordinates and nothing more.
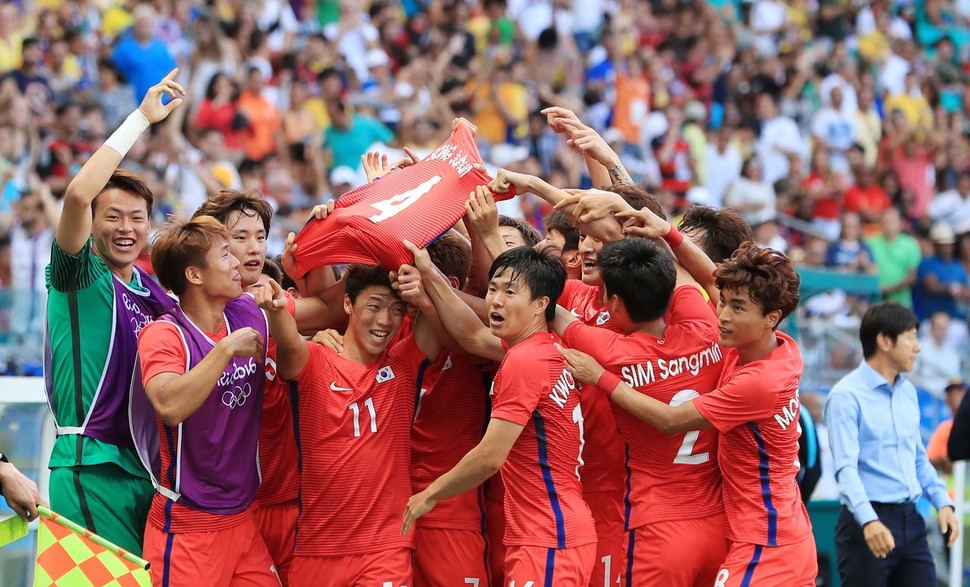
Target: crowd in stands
(837, 128)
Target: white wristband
(122, 139)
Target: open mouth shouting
(379, 336)
(495, 319)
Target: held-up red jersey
(755, 408)
(604, 465)
(449, 421)
(543, 496)
(355, 438)
(671, 477)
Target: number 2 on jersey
(684, 455)
(369, 403)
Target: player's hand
(375, 165)
(481, 211)
(643, 223)
(20, 492)
(590, 143)
(462, 120)
(331, 339)
(505, 179)
(286, 258)
(879, 538)
(418, 505)
(949, 525)
(557, 117)
(410, 287)
(152, 107)
(321, 211)
(422, 261)
(269, 296)
(582, 366)
(409, 159)
(245, 342)
(588, 206)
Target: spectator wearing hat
(342, 180)
(941, 280)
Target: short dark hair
(273, 270)
(889, 318)
(720, 232)
(360, 277)
(637, 197)
(529, 234)
(452, 254)
(544, 274)
(641, 273)
(558, 221)
(765, 274)
(224, 203)
(130, 183)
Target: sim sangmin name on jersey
(641, 374)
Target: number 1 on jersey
(369, 403)
(684, 455)
(578, 420)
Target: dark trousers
(909, 564)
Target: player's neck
(204, 311)
(881, 364)
(759, 349)
(656, 328)
(356, 352)
(537, 326)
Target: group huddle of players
(602, 405)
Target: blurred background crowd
(838, 128)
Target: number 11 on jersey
(369, 404)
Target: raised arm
(460, 321)
(291, 349)
(74, 231)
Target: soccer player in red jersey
(247, 216)
(755, 408)
(535, 435)
(355, 413)
(202, 368)
(676, 517)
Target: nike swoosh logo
(574, 313)
(334, 387)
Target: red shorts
(495, 526)
(387, 568)
(234, 556)
(449, 557)
(682, 553)
(277, 525)
(607, 509)
(532, 565)
(792, 565)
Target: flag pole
(78, 529)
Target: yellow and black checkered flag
(68, 554)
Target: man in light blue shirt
(880, 461)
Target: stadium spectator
(939, 358)
(140, 56)
(897, 255)
(942, 284)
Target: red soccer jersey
(604, 461)
(449, 421)
(278, 454)
(755, 408)
(671, 477)
(355, 439)
(543, 496)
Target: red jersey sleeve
(160, 350)
(748, 396)
(517, 390)
(316, 359)
(408, 350)
(688, 305)
(595, 342)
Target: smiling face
(119, 229)
(247, 242)
(512, 315)
(589, 248)
(375, 317)
(220, 276)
